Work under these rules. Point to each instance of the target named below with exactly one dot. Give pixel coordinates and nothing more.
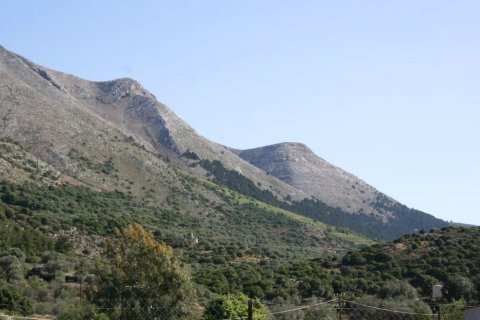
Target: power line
(236, 318)
(388, 310)
(304, 307)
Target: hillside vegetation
(51, 230)
(249, 247)
(449, 256)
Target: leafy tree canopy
(233, 306)
(145, 280)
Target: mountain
(297, 165)
(115, 136)
(121, 104)
(74, 146)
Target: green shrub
(234, 307)
(81, 310)
(15, 302)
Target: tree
(397, 290)
(458, 287)
(371, 307)
(232, 306)
(144, 279)
(11, 267)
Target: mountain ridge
(75, 124)
(127, 106)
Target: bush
(397, 290)
(11, 267)
(14, 301)
(234, 307)
(63, 244)
(81, 310)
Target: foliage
(460, 287)
(11, 266)
(397, 290)
(31, 241)
(448, 256)
(270, 280)
(105, 167)
(145, 279)
(81, 310)
(242, 245)
(63, 206)
(242, 233)
(406, 220)
(234, 306)
(236, 181)
(190, 155)
(362, 309)
(235, 228)
(14, 301)
(454, 310)
(402, 270)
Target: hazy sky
(388, 90)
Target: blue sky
(388, 90)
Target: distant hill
(461, 225)
(358, 205)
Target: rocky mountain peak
(297, 165)
(288, 151)
(123, 87)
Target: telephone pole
(250, 309)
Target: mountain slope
(59, 129)
(448, 257)
(297, 165)
(115, 135)
(125, 105)
(217, 217)
(386, 270)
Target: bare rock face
(297, 165)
